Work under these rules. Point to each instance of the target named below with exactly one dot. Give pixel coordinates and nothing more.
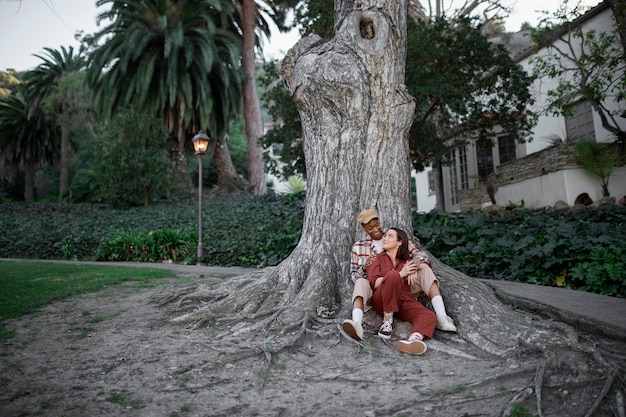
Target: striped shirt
(362, 250)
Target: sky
(29, 26)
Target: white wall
(565, 185)
(425, 201)
(548, 125)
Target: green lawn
(27, 286)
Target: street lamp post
(200, 145)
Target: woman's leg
(385, 298)
(422, 319)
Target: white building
(509, 163)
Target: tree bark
(64, 163)
(619, 12)
(356, 114)
(228, 180)
(29, 180)
(252, 109)
(439, 189)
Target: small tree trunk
(252, 109)
(29, 180)
(64, 163)
(439, 193)
(227, 178)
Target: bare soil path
(115, 353)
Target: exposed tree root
(541, 369)
(519, 398)
(619, 403)
(552, 351)
(612, 372)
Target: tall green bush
(578, 249)
(130, 160)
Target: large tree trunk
(252, 109)
(355, 116)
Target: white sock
(357, 315)
(440, 309)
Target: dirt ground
(115, 353)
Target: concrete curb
(591, 312)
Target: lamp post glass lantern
(200, 145)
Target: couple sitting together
(388, 272)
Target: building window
(580, 124)
(464, 178)
(431, 182)
(484, 160)
(506, 149)
(454, 182)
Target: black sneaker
(385, 330)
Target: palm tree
(42, 83)
(599, 159)
(166, 58)
(250, 20)
(26, 140)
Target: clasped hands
(409, 269)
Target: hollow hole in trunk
(367, 28)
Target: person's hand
(369, 261)
(408, 269)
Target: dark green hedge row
(581, 248)
(237, 230)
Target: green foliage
(130, 160)
(599, 159)
(238, 230)
(153, 246)
(248, 231)
(9, 81)
(519, 410)
(179, 60)
(464, 85)
(587, 65)
(296, 184)
(26, 140)
(602, 271)
(578, 249)
(316, 16)
(43, 81)
(285, 138)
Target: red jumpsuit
(394, 295)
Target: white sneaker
(354, 329)
(446, 324)
(413, 347)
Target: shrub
(578, 249)
(153, 246)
